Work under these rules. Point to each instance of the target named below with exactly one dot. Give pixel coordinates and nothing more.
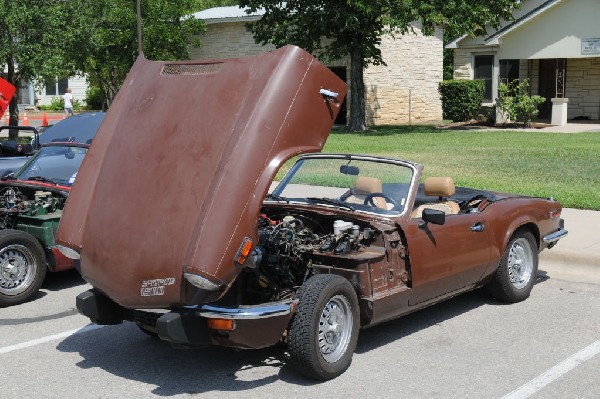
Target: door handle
(478, 227)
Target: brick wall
(463, 68)
(406, 90)
(412, 75)
(227, 40)
(583, 87)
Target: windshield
(362, 185)
(54, 164)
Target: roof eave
(454, 43)
(250, 18)
(494, 38)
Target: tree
(107, 46)
(199, 5)
(353, 29)
(34, 35)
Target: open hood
(177, 173)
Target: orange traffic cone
(44, 120)
(25, 119)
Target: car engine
(284, 254)
(24, 202)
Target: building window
(56, 86)
(509, 71)
(484, 66)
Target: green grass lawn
(562, 166)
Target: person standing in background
(68, 99)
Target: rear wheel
(518, 267)
(324, 330)
(22, 267)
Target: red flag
(7, 91)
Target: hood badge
(156, 287)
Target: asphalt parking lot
(470, 346)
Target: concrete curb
(582, 245)
(567, 256)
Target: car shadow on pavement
(61, 280)
(394, 330)
(124, 351)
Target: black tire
(22, 267)
(517, 271)
(325, 300)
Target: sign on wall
(590, 46)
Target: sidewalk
(35, 117)
(582, 245)
(571, 127)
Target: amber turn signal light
(221, 324)
(244, 251)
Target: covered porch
(555, 44)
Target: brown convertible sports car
(180, 228)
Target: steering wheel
(472, 202)
(369, 200)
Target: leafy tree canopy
(200, 5)
(33, 36)
(107, 46)
(354, 28)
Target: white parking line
(48, 338)
(555, 372)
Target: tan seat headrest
(439, 187)
(367, 185)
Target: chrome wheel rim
(520, 263)
(17, 269)
(335, 328)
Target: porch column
(559, 111)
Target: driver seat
(363, 186)
(441, 187)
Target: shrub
(57, 104)
(93, 98)
(461, 99)
(515, 102)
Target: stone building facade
(404, 91)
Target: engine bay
(16, 202)
(288, 245)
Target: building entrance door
(552, 83)
(547, 86)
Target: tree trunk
(357, 92)
(13, 109)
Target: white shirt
(68, 97)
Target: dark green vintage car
(31, 205)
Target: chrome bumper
(261, 311)
(554, 237)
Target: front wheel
(518, 267)
(324, 330)
(22, 267)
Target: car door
(445, 258)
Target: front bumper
(255, 327)
(551, 239)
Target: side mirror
(433, 216)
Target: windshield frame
(414, 167)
